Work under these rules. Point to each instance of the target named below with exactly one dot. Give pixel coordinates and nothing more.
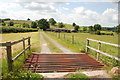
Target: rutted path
(44, 46)
(62, 48)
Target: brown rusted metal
(61, 63)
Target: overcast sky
(68, 11)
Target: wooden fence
(59, 35)
(98, 50)
(8, 46)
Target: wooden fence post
(98, 54)
(24, 48)
(64, 36)
(56, 34)
(29, 42)
(87, 44)
(59, 35)
(72, 39)
(9, 56)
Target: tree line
(42, 23)
(45, 24)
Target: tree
(33, 25)
(28, 19)
(43, 24)
(98, 32)
(11, 23)
(76, 27)
(61, 25)
(1, 20)
(6, 19)
(97, 27)
(84, 28)
(26, 25)
(117, 29)
(3, 24)
(91, 28)
(52, 21)
(74, 24)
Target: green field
(19, 22)
(17, 36)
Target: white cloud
(65, 8)
(37, 10)
(109, 17)
(67, 3)
(39, 6)
(83, 16)
(79, 10)
(32, 10)
(67, 0)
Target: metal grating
(39, 63)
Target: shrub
(16, 29)
(77, 76)
(11, 23)
(23, 76)
(25, 25)
(61, 25)
(98, 32)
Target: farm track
(61, 47)
(44, 46)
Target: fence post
(24, 48)
(56, 34)
(29, 42)
(98, 54)
(64, 36)
(87, 44)
(72, 39)
(59, 35)
(9, 56)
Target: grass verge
(77, 76)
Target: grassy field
(19, 21)
(35, 41)
(80, 43)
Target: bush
(23, 76)
(77, 76)
(11, 23)
(25, 25)
(98, 32)
(116, 77)
(61, 25)
(16, 29)
(107, 34)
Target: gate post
(9, 56)
(98, 54)
(64, 36)
(87, 44)
(59, 35)
(72, 39)
(24, 48)
(29, 42)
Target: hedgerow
(11, 29)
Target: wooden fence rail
(98, 50)
(8, 46)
